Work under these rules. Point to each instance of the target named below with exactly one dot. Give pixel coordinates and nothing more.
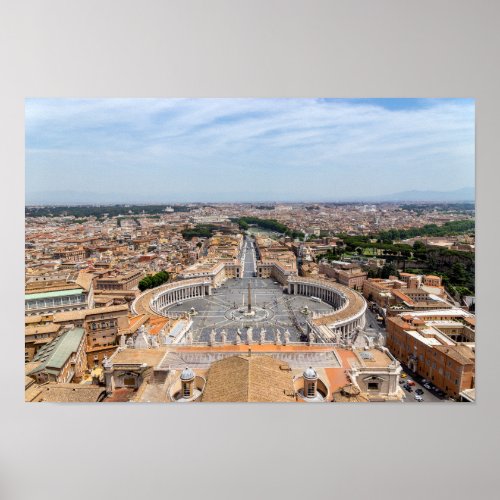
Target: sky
(221, 150)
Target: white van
(315, 299)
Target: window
(373, 386)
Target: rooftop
(56, 354)
(48, 295)
(65, 393)
(249, 379)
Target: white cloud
(120, 138)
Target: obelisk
(249, 299)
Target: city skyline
(246, 150)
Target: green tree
(389, 269)
(418, 246)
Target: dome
(187, 374)
(310, 373)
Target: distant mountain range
(463, 194)
(81, 197)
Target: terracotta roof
(84, 280)
(35, 329)
(249, 379)
(65, 393)
(456, 354)
(83, 313)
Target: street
(429, 397)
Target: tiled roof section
(249, 379)
(151, 357)
(135, 322)
(40, 329)
(80, 315)
(156, 324)
(65, 393)
(84, 280)
(456, 354)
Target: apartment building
(438, 345)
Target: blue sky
(173, 150)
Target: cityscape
(338, 267)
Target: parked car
(410, 382)
(408, 388)
(419, 391)
(404, 375)
(401, 381)
(427, 386)
(418, 398)
(424, 381)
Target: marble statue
(380, 339)
(237, 339)
(106, 363)
(262, 338)
(277, 337)
(250, 335)
(212, 337)
(286, 339)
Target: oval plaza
(247, 327)
(260, 295)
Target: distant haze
(77, 198)
(248, 150)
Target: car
(401, 381)
(427, 386)
(418, 398)
(419, 392)
(404, 375)
(424, 381)
(410, 382)
(408, 388)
